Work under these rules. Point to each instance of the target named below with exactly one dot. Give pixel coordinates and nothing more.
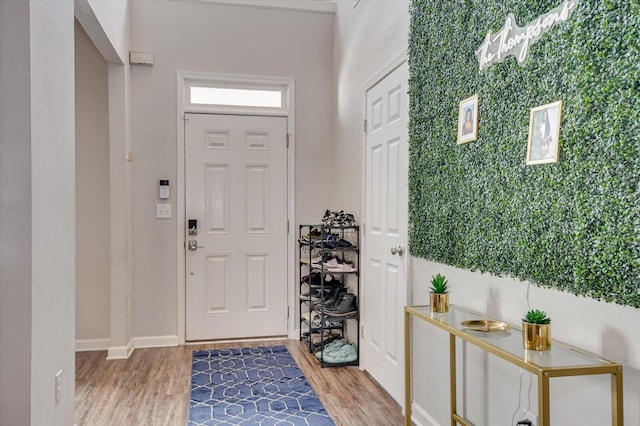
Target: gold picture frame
(543, 145)
(468, 120)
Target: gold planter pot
(439, 302)
(536, 336)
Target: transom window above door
(236, 97)
(221, 95)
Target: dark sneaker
(345, 307)
(338, 244)
(326, 240)
(315, 278)
(333, 298)
(315, 295)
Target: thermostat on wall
(164, 189)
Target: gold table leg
(452, 378)
(617, 411)
(544, 416)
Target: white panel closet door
(236, 189)
(386, 192)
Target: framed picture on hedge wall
(544, 134)
(468, 120)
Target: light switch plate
(163, 211)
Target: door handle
(193, 245)
(397, 250)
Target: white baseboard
(87, 345)
(155, 341)
(120, 352)
(248, 339)
(420, 417)
(124, 352)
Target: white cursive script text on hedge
(515, 40)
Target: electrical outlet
(58, 386)
(528, 415)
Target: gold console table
(560, 361)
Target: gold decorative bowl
(485, 325)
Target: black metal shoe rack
(350, 280)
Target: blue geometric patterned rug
(252, 387)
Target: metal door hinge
(288, 137)
(288, 226)
(362, 331)
(365, 125)
(364, 228)
(287, 312)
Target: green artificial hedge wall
(573, 225)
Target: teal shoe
(333, 346)
(346, 353)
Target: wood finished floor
(152, 388)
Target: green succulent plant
(535, 316)
(439, 284)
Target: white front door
(386, 198)
(236, 191)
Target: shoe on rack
(338, 244)
(315, 295)
(345, 307)
(311, 278)
(320, 296)
(332, 262)
(310, 316)
(320, 260)
(317, 338)
(338, 218)
(346, 353)
(331, 280)
(314, 319)
(313, 234)
(331, 300)
(323, 241)
(333, 346)
(318, 341)
(340, 265)
(315, 278)
(345, 267)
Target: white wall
(92, 195)
(602, 328)
(38, 184)
(366, 38)
(53, 210)
(196, 36)
(15, 213)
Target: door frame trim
(376, 78)
(183, 78)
